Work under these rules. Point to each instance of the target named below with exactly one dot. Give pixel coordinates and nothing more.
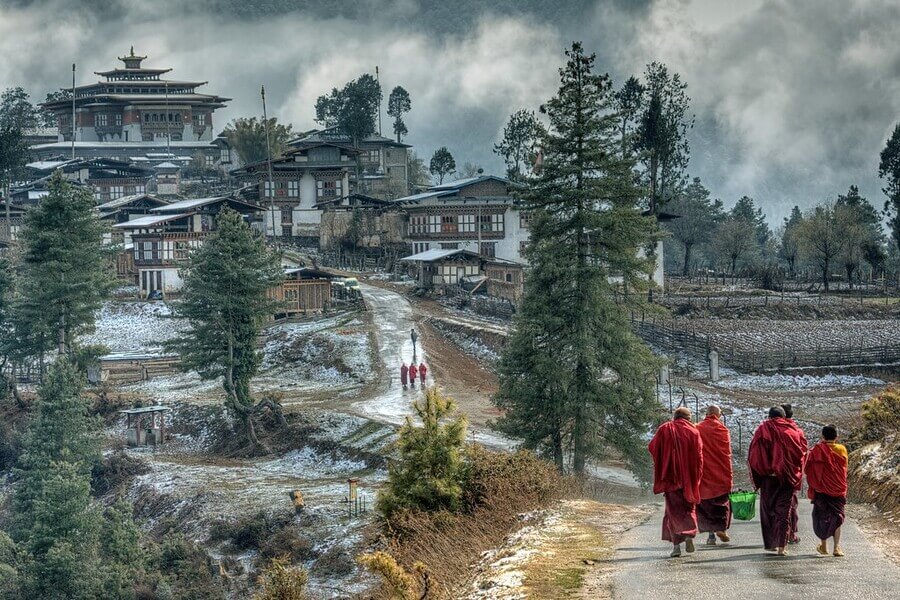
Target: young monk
(714, 510)
(794, 531)
(404, 372)
(776, 457)
(677, 452)
(826, 475)
(412, 375)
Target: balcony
(456, 235)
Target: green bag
(743, 505)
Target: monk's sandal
(676, 552)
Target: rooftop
(144, 409)
(122, 201)
(149, 221)
(435, 255)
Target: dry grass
(500, 487)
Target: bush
(280, 581)
(880, 417)
(187, 572)
(248, 533)
(287, 543)
(429, 474)
(508, 481)
(114, 471)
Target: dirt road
(458, 375)
(741, 569)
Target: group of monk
(692, 467)
(409, 373)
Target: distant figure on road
(776, 458)
(826, 475)
(412, 375)
(404, 372)
(794, 531)
(422, 371)
(677, 452)
(714, 510)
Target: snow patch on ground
(134, 327)
(501, 572)
(797, 382)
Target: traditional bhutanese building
(134, 110)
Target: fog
(793, 99)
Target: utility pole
(168, 116)
(73, 111)
(271, 186)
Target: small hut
(146, 426)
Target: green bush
(880, 417)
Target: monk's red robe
(776, 459)
(714, 509)
(677, 452)
(826, 476)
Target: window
(328, 188)
(417, 224)
(421, 247)
(181, 250)
(201, 120)
(467, 223)
(509, 278)
(116, 191)
(488, 249)
(100, 120)
(293, 189)
(118, 120)
(210, 160)
(140, 189)
(146, 117)
(224, 155)
(450, 246)
(492, 223)
(448, 223)
(524, 219)
(370, 156)
(291, 294)
(269, 189)
(522, 245)
(434, 223)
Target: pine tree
(442, 164)
(575, 380)
(66, 272)
(429, 474)
(53, 519)
(224, 301)
(120, 548)
(399, 103)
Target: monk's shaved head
(713, 411)
(682, 412)
(776, 412)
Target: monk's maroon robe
(677, 466)
(714, 510)
(826, 475)
(776, 460)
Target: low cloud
(793, 98)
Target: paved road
(742, 570)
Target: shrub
(396, 583)
(248, 533)
(515, 482)
(880, 417)
(115, 470)
(428, 475)
(280, 581)
(287, 543)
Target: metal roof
(123, 200)
(144, 409)
(149, 221)
(434, 255)
(460, 183)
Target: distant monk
(776, 458)
(677, 452)
(826, 475)
(794, 531)
(422, 371)
(412, 375)
(404, 372)
(714, 510)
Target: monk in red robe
(776, 458)
(714, 510)
(826, 475)
(677, 452)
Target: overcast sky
(793, 98)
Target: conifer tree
(224, 301)
(65, 271)
(429, 474)
(575, 381)
(53, 519)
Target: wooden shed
(303, 291)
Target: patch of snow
(797, 382)
(134, 327)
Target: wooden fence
(663, 334)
